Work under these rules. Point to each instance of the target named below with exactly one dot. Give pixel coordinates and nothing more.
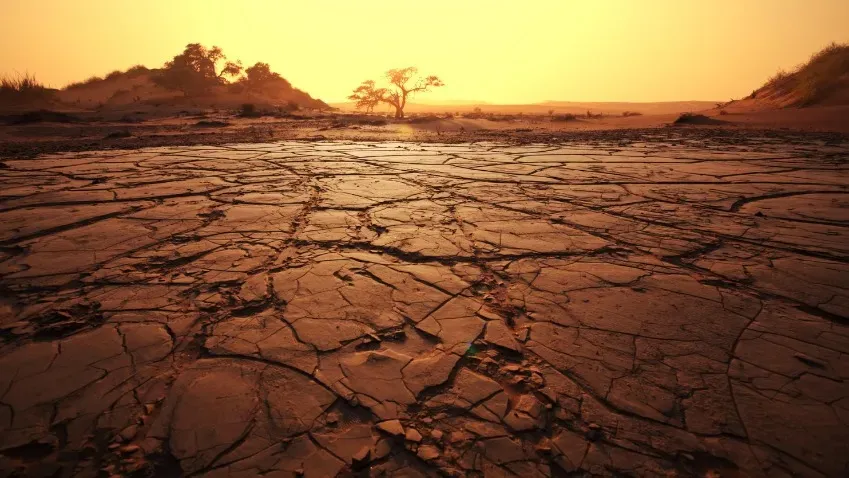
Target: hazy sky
(507, 51)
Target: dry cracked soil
(656, 308)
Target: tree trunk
(399, 113)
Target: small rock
(512, 368)
(392, 427)
(457, 437)
(396, 335)
(437, 434)
(516, 380)
(381, 449)
(594, 426)
(129, 449)
(428, 452)
(372, 338)
(544, 446)
(148, 408)
(537, 380)
(361, 459)
(413, 435)
(332, 418)
(299, 472)
(593, 435)
(128, 433)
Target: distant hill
(136, 86)
(822, 81)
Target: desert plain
(671, 303)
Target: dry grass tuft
(812, 82)
(22, 88)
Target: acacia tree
(196, 70)
(367, 95)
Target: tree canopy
(259, 78)
(196, 70)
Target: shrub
(476, 113)
(696, 119)
(249, 110)
(115, 74)
(566, 117)
(136, 70)
(423, 119)
(685, 118)
(22, 88)
(118, 93)
(80, 84)
(777, 78)
(20, 84)
(631, 113)
(812, 82)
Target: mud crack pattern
(397, 309)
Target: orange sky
(488, 50)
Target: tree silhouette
(196, 70)
(367, 95)
(259, 78)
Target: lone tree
(196, 70)
(368, 96)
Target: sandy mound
(822, 81)
(136, 87)
(694, 119)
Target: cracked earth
(322, 309)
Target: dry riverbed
(647, 303)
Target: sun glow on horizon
(493, 51)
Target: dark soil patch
(211, 124)
(40, 116)
(689, 118)
(119, 134)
